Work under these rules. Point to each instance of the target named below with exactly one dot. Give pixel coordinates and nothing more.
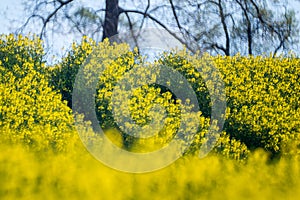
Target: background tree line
(250, 27)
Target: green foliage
(183, 63)
(62, 75)
(19, 55)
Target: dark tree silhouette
(217, 26)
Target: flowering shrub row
(262, 95)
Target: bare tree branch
(249, 25)
(221, 26)
(46, 21)
(144, 17)
(163, 26)
(175, 14)
(131, 30)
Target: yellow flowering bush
(263, 97)
(114, 109)
(200, 75)
(30, 112)
(115, 60)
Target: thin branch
(249, 28)
(76, 24)
(215, 45)
(223, 21)
(131, 30)
(47, 20)
(146, 11)
(162, 25)
(175, 14)
(28, 20)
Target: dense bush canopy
(262, 96)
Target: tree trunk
(225, 28)
(111, 20)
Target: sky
(12, 17)
(9, 10)
(12, 10)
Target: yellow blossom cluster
(262, 96)
(31, 113)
